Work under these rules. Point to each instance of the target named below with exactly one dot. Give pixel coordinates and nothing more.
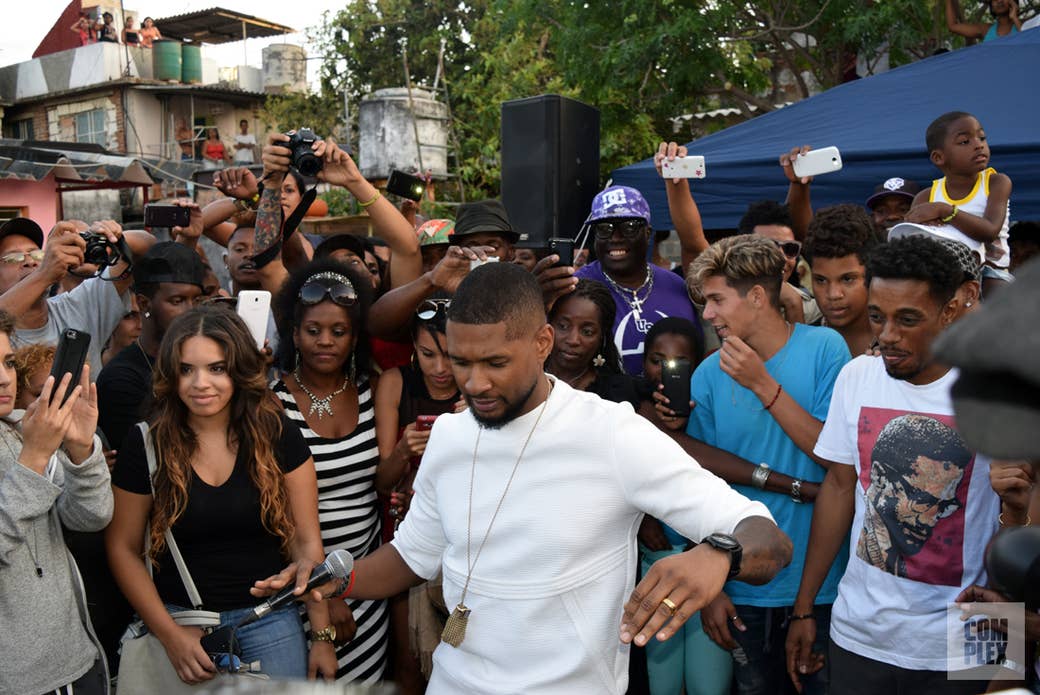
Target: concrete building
(111, 95)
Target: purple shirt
(668, 298)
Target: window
(7, 213)
(90, 127)
(19, 130)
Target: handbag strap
(178, 559)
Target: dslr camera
(302, 157)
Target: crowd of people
(489, 434)
(103, 29)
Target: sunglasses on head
(630, 229)
(218, 300)
(430, 308)
(314, 291)
(791, 249)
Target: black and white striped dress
(349, 516)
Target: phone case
(69, 357)
(254, 307)
(167, 216)
(817, 162)
(564, 248)
(675, 376)
(424, 423)
(688, 167)
(406, 185)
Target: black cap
(22, 226)
(893, 186)
(169, 261)
(354, 244)
(996, 398)
(484, 216)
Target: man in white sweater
(529, 502)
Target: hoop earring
(352, 372)
(297, 365)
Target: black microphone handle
(321, 574)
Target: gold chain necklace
(455, 627)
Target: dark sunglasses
(430, 308)
(630, 229)
(314, 291)
(791, 249)
(219, 300)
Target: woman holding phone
(326, 392)
(235, 484)
(409, 399)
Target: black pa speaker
(550, 166)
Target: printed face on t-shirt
(917, 474)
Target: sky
(19, 39)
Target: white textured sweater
(547, 593)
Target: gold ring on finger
(670, 605)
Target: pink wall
(37, 199)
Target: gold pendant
(455, 627)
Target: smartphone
(564, 248)
(254, 308)
(675, 376)
(424, 423)
(166, 216)
(70, 357)
(406, 185)
(477, 263)
(688, 167)
(817, 162)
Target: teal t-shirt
(731, 417)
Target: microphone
(337, 565)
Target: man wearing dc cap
(619, 225)
(27, 274)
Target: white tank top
(997, 253)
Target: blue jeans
(276, 640)
(760, 664)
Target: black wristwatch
(728, 544)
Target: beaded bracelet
(804, 616)
(779, 388)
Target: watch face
(722, 541)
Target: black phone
(166, 216)
(70, 357)
(564, 248)
(406, 185)
(675, 376)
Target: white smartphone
(689, 167)
(477, 263)
(254, 308)
(817, 162)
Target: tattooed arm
(269, 211)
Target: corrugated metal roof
(218, 25)
(35, 161)
(221, 89)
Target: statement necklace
(636, 303)
(319, 406)
(455, 627)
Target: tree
(640, 62)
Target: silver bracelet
(796, 491)
(760, 476)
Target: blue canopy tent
(878, 124)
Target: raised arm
(965, 29)
(686, 218)
(62, 250)
(389, 223)
(798, 201)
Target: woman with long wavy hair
(236, 485)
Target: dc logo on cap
(894, 184)
(614, 198)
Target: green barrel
(166, 60)
(191, 63)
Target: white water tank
(285, 68)
(387, 136)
